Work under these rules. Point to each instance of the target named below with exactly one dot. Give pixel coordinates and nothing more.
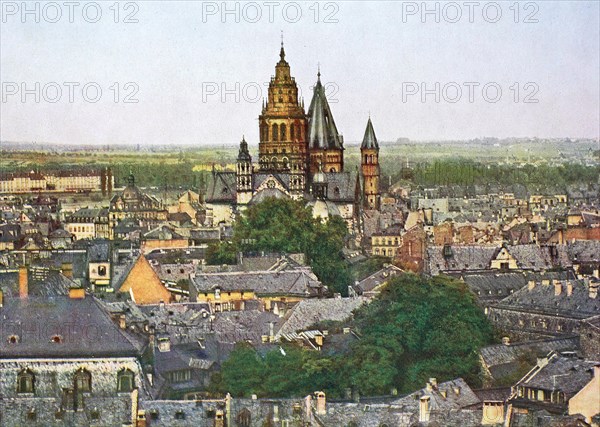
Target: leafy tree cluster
(416, 329)
(288, 226)
(469, 172)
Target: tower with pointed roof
(369, 154)
(325, 144)
(244, 174)
(282, 126)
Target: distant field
(189, 166)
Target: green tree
(288, 226)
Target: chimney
(164, 344)
(122, 322)
(321, 403)
(546, 282)
(67, 270)
(76, 293)
(319, 340)
(424, 409)
(433, 382)
(23, 282)
(506, 340)
(141, 419)
(531, 284)
(271, 332)
(557, 287)
(569, 289)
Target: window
(244, 418)
(180, 376)
(83, 381)
(274, 132)
(125, 380)
(102, 270)
(25, 382)
(283, 132)
(180, 415)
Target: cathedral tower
(325, 144)
(244, 174)
(282, 126)
(369, 153)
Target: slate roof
(462, 258)
(584, 251)
(369, 139)
(221, 187)
(496, 357)
(180, 413)
(322, 131)
(292, 282)
(82, 327)
(447, 411)
(542, 298)
(495, 285)
(308, 312)
(567, 374)
(378, 278)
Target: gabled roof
(79, 326)
(322, 131)
(221, 187)
(292, 282)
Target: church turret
(244, 174)
(325, 144)
(369, 151)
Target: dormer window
(125, 381)
(217, 293)
(13, 339)
(56, 339)
(83, 381)
(25, 382)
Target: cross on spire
(319, 71)
(282, 52)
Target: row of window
(279, 132)
(82, 381)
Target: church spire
(282, 51)
(370, 140)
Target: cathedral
(300, 156)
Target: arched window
(283, 132)
(244, 418)
(25, 382)
(125, 380)
(263, 132)
(292, 131)
(274, 132)
(102, 270)
(82, 381)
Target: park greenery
(417, 328)
(288, 226)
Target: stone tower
(282, 126)
(325, 144)
(369, 153)
(244, 174)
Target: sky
(194, 72)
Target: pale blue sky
(170, 54)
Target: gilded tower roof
(322, 131)
(369, 140)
